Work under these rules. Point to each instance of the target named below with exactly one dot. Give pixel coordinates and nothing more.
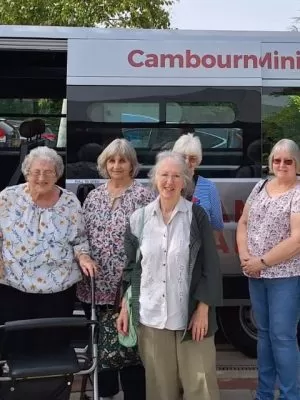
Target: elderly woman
(43, 240)
(176, 286)
(206, 193)
(107, 210)
(268, 238)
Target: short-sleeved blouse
(269, 224)
(39, 244)
(105, 227)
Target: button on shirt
(164, 280)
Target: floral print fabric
(38, 244)
(106, 222)
(269, 224)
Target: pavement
(237, 377)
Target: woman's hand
(199, 322)
(244, 257)
(88, 266)
(253, 267)
(122, 321)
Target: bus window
(200, 113)
(227, 120)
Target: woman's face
(192, 162)
(169, 179)
(118, 168)
(42, 176)
(284, 165)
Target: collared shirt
(165, 262)
(39, 244)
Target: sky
(257, 15)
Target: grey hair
(189, 145)
(290, 147)
(46, 154)
(118, 147)
(188, 186)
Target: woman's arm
(241, 235)
(80, 243)
(283, 251)
(216, 215)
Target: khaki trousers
(172, 365)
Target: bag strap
(262, 185)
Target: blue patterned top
(206, 195)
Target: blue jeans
(276, 307)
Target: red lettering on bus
(236, 59)
(253, 59)
(209, 61)
(192, 60)
(266, 61)
(151, 61)
(131, 60)
(221, 63)
(298, 59)
(270, 60)
(275, 60)
(170, 59)
(284, 61)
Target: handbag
(130, 340)
(111, 354)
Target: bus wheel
(238, 326)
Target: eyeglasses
(278, 161)
(165, 176)
(46, 173)
(191, 159)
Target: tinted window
(227, 121)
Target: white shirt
(165, 261)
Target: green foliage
(285, 123)
(106, 13)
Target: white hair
(290, 147)
(46, 154)
(118, 147)
(179, 159)
(189, 144)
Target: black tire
(238, 326)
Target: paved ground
(237, 376)
(225, 395)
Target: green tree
(284, 123)
(107, 13)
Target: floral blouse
(269, 224)
(105, 225)
(38, 244)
